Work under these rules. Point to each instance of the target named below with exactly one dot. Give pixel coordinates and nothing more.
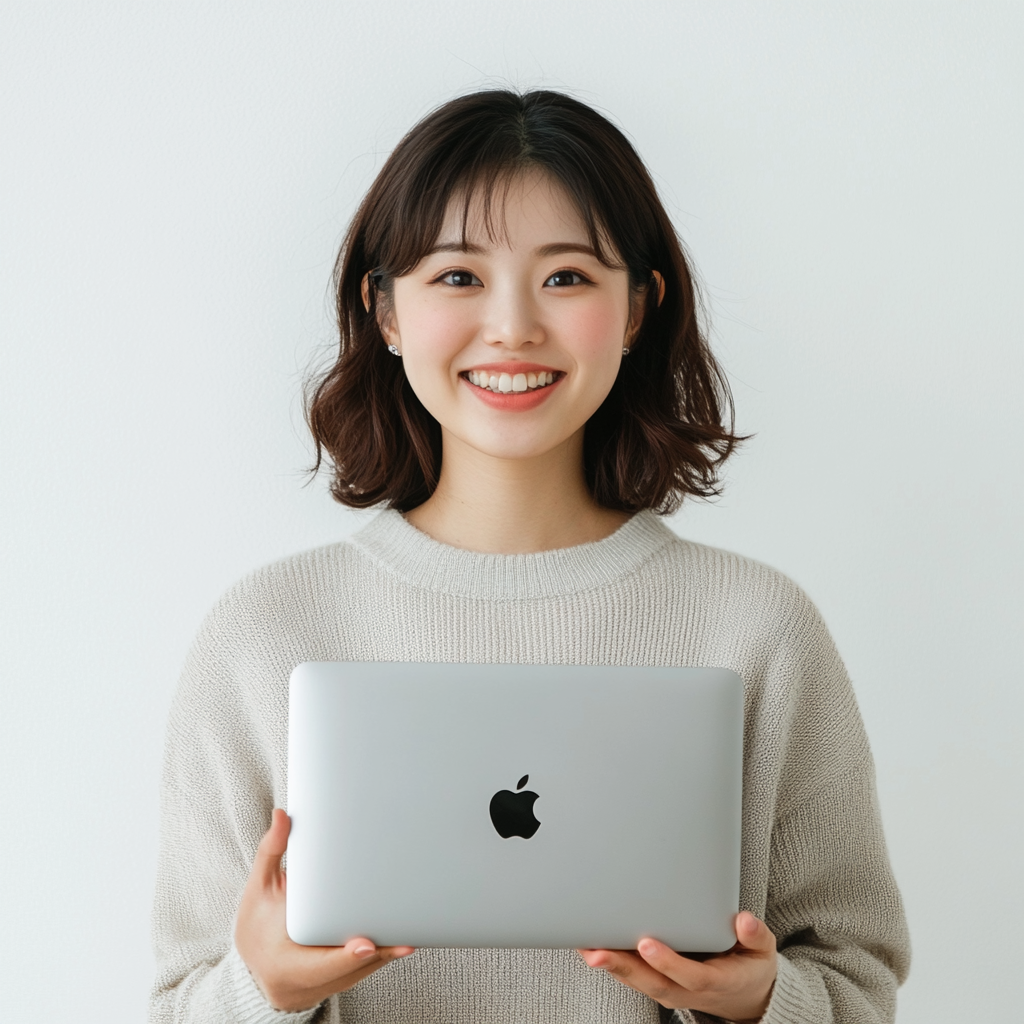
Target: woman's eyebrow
(560, 248)
(470, 247)
(551, 249)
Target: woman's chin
(507, 447)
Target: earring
(625, 350)
(394, 351)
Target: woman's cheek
(438, 334)
(598, 322)
(431, 339)
(595, 333)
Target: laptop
(560, 806)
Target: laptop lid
(514, 805)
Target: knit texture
(814, 864)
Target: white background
(175, 180)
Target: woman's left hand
(736, 984)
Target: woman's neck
(513, 506)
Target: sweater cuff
(790, 1002)
(251, 1006)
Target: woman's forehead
(528, 207)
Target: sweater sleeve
(832, 901)
(217, 793)
(835, 908)
(816, 868)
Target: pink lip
(513, 401)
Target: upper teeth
(506, 382)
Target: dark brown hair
(666, 426)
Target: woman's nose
(512, 318)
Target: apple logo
(512, 813)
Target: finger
(344, 978)
(690, 975)
(753, 934)
(633, 971)
(361, 949)
(350, 963)
(302, 976)
(267, 865)
(397, 952)
(360, 953)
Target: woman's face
(512, 344)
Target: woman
(523, 384)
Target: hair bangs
(478, 175)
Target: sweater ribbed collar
(422, 561)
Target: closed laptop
(514, 805)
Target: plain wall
(175, 180)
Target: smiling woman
(522, 383)
(489, 244)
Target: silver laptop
(514, 805)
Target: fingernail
(363, 952)
(647, 948)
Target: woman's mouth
(507, 383)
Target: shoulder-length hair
(666, 426)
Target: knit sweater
(814, 864)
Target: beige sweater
(814, 860)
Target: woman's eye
(460, 279)
(564, 279)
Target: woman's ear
(636, 317)
(637, 310)
(661, 285)
(386, 323)
(385, 320)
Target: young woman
(523, 385)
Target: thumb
(267, 865)
(754, 934)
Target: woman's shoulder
(740, 603)
(289, 610)
(742, 593)
(310, 574)
(289, 591)
(758, 620)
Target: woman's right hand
(294, 977)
